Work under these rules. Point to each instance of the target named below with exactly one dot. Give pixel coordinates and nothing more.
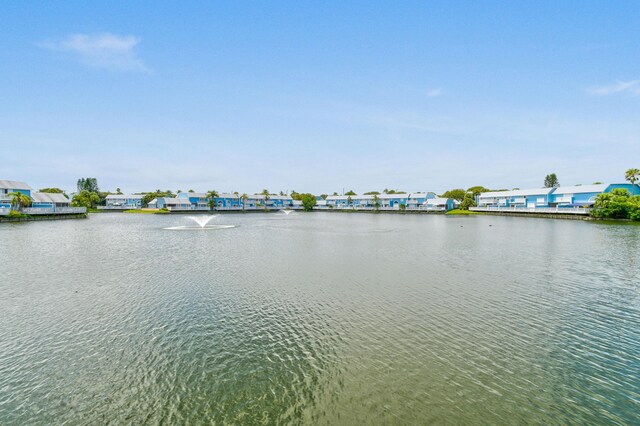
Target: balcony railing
(70, 210)
(38, 210)
(120, 207)
(555, 210)
(384, 208)
(564, 200)
(53, 210)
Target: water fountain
(203, 224)
(201, 220)
(286, 211)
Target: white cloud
(625, 87)
(105, 50)
(435, 92)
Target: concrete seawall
(539, 215)
(4, 219)
(381, 211)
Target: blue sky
(319, 97)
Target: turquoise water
(319, 319)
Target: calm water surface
(320, 318)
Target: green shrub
(617, 204)
(308, 201)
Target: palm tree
(19, 200)
(376, 204)
(244, 199)
(632, 176)
(349, 201)
(266, 194)
(212, 195)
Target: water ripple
(320, 319)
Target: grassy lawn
(463, 212)
(148, 211)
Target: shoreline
(40, 218)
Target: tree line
(617, 205)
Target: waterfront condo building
(123, 202)
(411, 201)
(41, 203)
(577, 199)
(9, 186)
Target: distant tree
(335, 193)
(392, 191)
(324, 196)
(456, 194)
(150, 196)
(86, 199)
(372, 193)
(515, 189)
(88, 184)
(350, 193)
(179, 191)
(19, 200)
(597, 183)
(53, 191)
(191, 190)
(376, 202)
(103, 197)
(478, 189)
(632, 175)
(349, 200)
(403, 207)
(551, 181)
(211, 199)
(244, 198)
(267, 197)
(469, 200)
(308, 201)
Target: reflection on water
(319, 318)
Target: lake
(319, 318)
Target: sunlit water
(320, 318)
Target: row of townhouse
(565, 199)
(194, 201)
(413, 201)
(41, 202)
